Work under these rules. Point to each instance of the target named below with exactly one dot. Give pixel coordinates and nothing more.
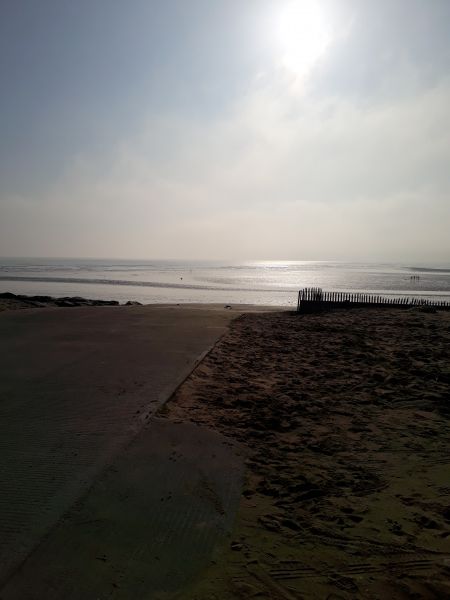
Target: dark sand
(345, 419)
(342, 420)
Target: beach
(344, 418)
(225, 300)
(284, 456)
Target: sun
(303, 35)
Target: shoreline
(10, 301)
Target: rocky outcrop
(9, 300)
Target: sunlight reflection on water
(257, 282)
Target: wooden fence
(315, 299)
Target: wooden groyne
(315, 300)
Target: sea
(270, 283)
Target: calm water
(269, 283)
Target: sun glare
(303, 35)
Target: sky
(225, 129)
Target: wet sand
(345, 422)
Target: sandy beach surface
(302, 457)
(345, 419)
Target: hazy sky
(272, 129)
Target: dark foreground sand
(340, 419)
(345, 419)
